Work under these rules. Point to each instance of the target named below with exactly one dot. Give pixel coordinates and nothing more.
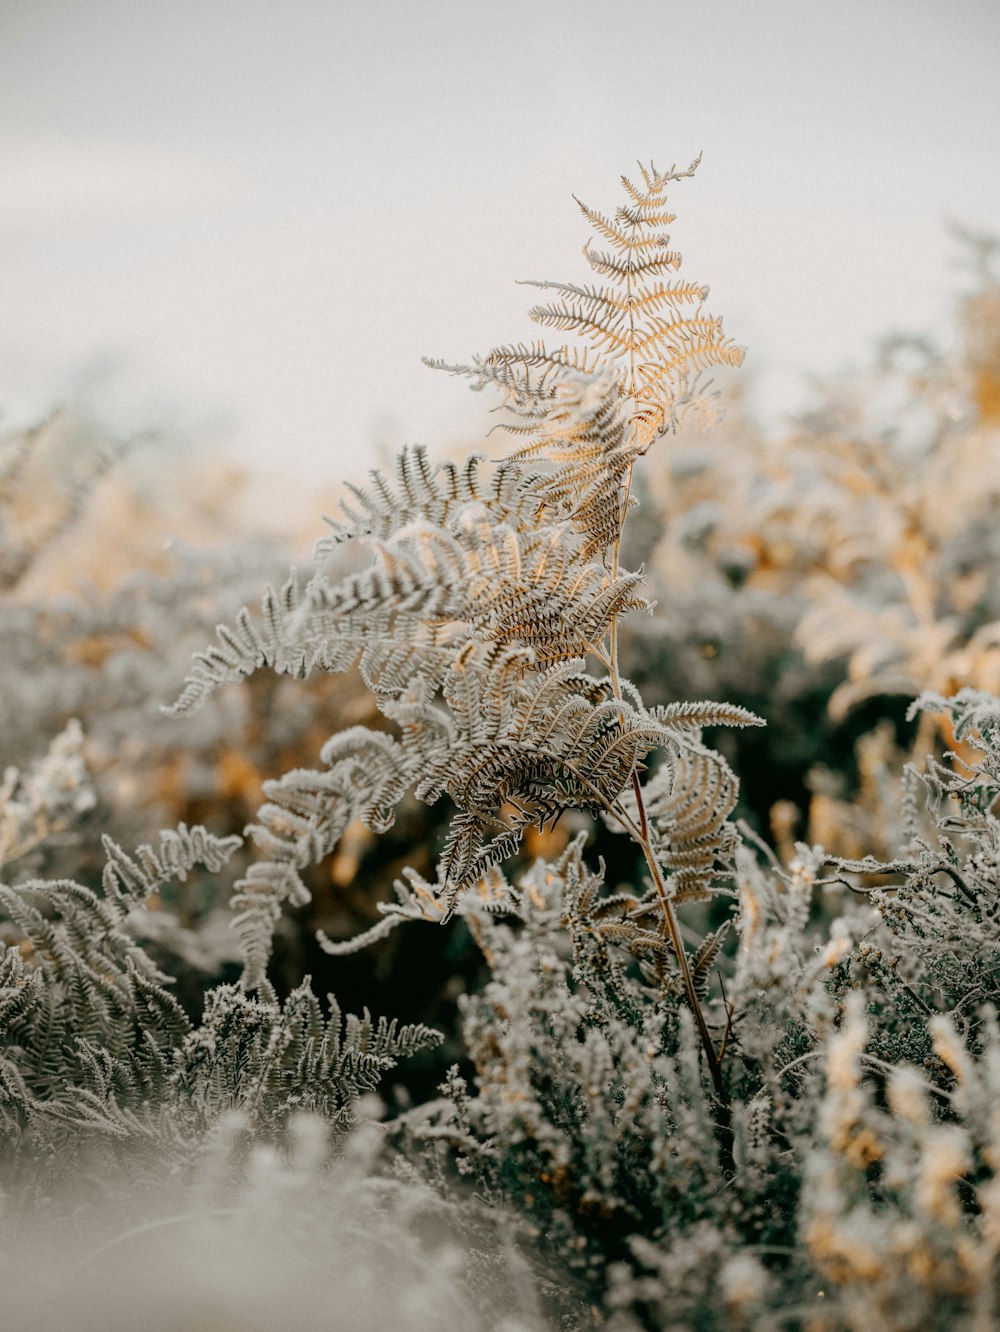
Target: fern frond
(78, 935)
(246, 648)
(604, 226)
(704, 958)
(386, 1040)
(18, 988)
(328, 627)
(357, 942)
(300, 824)
(607, 334)
(526, 373)
(484, 889)
(681, 334)
(534, 587)
(585, 436)
(469, 857)
(561, 739)
(541, 590)
(157, 1011)
(688, 802)
(698, 715)
(685, 357)
(131, 880)
(270, 1057)
(638, 217)
(628, 270)
(610, 301)
(655, 360)
(432, 495)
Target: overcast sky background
(250, 220)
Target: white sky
(252, 219)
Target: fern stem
(724, 1130)
(640, 835)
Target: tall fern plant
(487, 625)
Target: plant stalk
(723, 1123)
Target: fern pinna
(486, 624)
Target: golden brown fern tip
(591, 409)
(654, 332)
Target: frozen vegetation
(577, 903)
